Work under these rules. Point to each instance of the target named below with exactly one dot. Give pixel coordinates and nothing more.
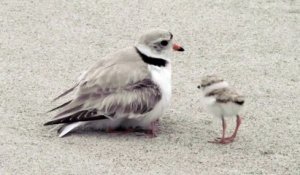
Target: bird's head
(156, 42)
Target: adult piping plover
(222, 101)
(130, 88)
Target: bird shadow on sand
(184, 132)
(119, 132)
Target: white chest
(162, 77)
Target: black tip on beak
(177, 47)
(181, 49)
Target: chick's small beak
(177, 47)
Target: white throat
(150, 53)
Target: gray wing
(119, 85)
(225, 95)
(134, 99)
(111, 71)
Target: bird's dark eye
(164, 42)
(199, 87)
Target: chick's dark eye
(164, 42)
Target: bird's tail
(65, 129)
(66, 92)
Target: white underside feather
(70, 127)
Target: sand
(44, 45)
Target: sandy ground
(44, 45)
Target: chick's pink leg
(222, 140)
(238, 123)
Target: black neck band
(151, 60)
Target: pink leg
(238, 123)
(156, 123)
(153, 128)
(232, 137)
(222, 140)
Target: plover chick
(222, 101)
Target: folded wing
(118, 86)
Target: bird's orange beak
(177, 47)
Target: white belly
(224, 109)
(162, 77)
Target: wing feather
(117, 86)
(66, 92)
(225, 95)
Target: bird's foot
(151, 133)
(154, 129)
(224, 141)
(231, 138)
